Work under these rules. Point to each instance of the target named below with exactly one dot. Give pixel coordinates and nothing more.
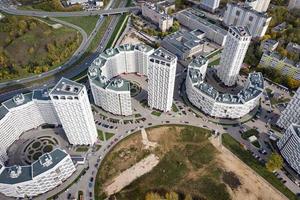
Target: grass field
(87, 23)
(101, 135)
(250, 133)
(156, 113)
(29, 46)
(246, 156)
(188, 165)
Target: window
(250, 18)
(237, 13)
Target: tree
(293, 83)
(274, 163)
(188, 197)
(172, 196)
(153, 196)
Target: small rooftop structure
(66, 87)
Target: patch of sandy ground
(253, 187)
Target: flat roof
(25, 175)
(3, 111)
(67, 87)
(18, 100)
(163, 55)
(119, 85)
(42, 94)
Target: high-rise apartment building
(210, 5)
(291, 114)
(289, 146)
(294, 4)
(242, 15)
(161, 74)
(258, 5)
(71, 102)
(237, 42)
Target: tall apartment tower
(71, 102)
(161, 75)
(210, 5)
(236, 45)
(291, 114)
(294, 4)
(258, 5)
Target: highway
(66, 70)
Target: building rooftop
(249, 9)
(119, 85)
(200, 17)
(240, 31)
(163, 55)
(17, 174)
(18, 100)
(41, 94)
(67, 87)
(47, 161)
(3, 111)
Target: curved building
(113, 95)
(49, 171)
(217, 104)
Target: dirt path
(253, 186)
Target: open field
(87, 23)
(29, 46)
(247, 157)
(189, 165)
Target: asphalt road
(72, 71)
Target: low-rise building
(49, 171)
(222, 105)
(293, 47)
(73, 2)
(294, 4)
(289, 146)
(159, 17)
(280, 27)
(269, 45)
(195, 19)
(184, 44)
(238, 14)
(286, 66)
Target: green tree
(153, 196)
(293, 83)
(188, 197)
(172, 196)
(275, 162)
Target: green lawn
(246, 156)
(87, 23)
(156, 113)
(256, 144)
(250, 133)
(82, 149)
(107, 135)
(174, 108)
(215, 62)
(137, 115)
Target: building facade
(294, 4)
(289, 146)
(111, 94)
(72, 105)
(210, 5)
(161, 74)
(291, 114)
(286, 66)
(233, 54)
(195, 19)
(222, 105)
(49, 171)
(159, 17)
(184, 44)
(258, 5)
(241, 15)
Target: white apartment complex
(161, 74)
(294, 4)
(152, 11)
(222, 105)
(195, 19)
(258, 5)
(49, 171)
(210, 5)
(238, 40)
(289, 146)
(72, 105)
(111, 94)
(291, 114)
(242, 15)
